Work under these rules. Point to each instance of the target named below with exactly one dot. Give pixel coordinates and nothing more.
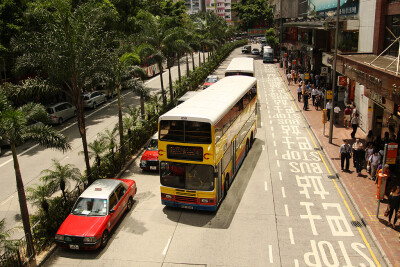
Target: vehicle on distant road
(246, 49)
(92, 99)
(149, 159)
(60, 112)
(240, 66)
(95, 214)
(211, 79)
(268, 54)
(255, 51)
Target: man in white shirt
(328, 108)
(299, 92)
(345, 155)
(314, 93)
(336, 111)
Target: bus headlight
(168, 196)
(204, 200)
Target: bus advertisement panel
(203, 142)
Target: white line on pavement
(166, 247)
(278, 163)
(280, 176)
(6, 200)
(274, 143)
(266, 186)
(271, 259)
(283, 192)
(286, 210)
(263, 147)
(276, 152)
(296, 263)
(291, 236)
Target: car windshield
(153, 145)
(187, 176)
(211, 80)
(90, 207)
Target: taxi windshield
(153, 145)
(211, 80)
(90, 207)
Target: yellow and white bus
(240, 66)
(203, 142)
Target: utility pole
(334, 72)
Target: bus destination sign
(185, 152)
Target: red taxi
(211, 79)
(95, 214)
(149, 160)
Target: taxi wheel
(104, 239)
(129, 204)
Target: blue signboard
(326, 8)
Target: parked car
(95, 214)
(255, 51)
(60, 112)
(92, 99)
(246, 49)
(109, 93)
(211, 79)
(149, 160)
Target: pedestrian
(354, 124)
(336, 113)
(359, 155)
(295, 76)
(305, 100)
(299, 92)
(347, 116)
(314, 93)
(345, 155)
(317, 102)
(393, 205)
(368, 153)
(289, 77)
(369, 139)
(354, 110)
(355, 147)
(374, 161)
(328, 108)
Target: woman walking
(394, 203)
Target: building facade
(368, 52)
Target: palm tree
(96, 150)
(14, 125)
(39, 195)
(143, 91)
(109, 138)
(60, 177)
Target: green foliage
(253, 13)
(272, 38)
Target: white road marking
(6, 200)
(286, 210)
(261, 124)
(270, 121)
(274, 143)
(278, 163)
(291, 235)
(8, 161)
(280, 176)
(272, 128)
(271, 259)
(296, 263)
(276, 152)
(266, 186)
(263, 147)
(166, 246)
(283, 192)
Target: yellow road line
(337, 188)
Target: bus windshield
(187, 176)
(185, 131)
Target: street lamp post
(334, 71)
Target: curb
(336, 173)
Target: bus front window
(187, 176)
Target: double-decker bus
(240, 66)
(203, 142)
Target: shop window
(393, 23)
(349, 41)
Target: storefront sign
(328, 9)
(324, 71)
(306, 76)
(391, 153)
(327, 59)
(362, 77)
(342, 80)
(329, 94)
(375, 97)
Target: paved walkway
(361, 189)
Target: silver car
(60, 112)
(92, 99)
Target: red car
(95, 214)
(149, 160)
(211, 79)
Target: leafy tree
(60, 177)
(71, 48)
(96, 150)
(14, 125)
(140, 89)
(39, 194)
(271, 38)
(253, 13)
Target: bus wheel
(247, 147)
(251, 139)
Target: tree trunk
(193, 61)
(204, 57)
(142, 111)
(187, 66)
(82, 132)
(171, 90)
(179, 69)
(22, 205)
(162, 84)
(199, 58)
(120, 126)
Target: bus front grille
(186, 199)
(186, 193)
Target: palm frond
(46, 136)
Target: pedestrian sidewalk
(362, 190)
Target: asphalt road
(33, 158)
(283, 209)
